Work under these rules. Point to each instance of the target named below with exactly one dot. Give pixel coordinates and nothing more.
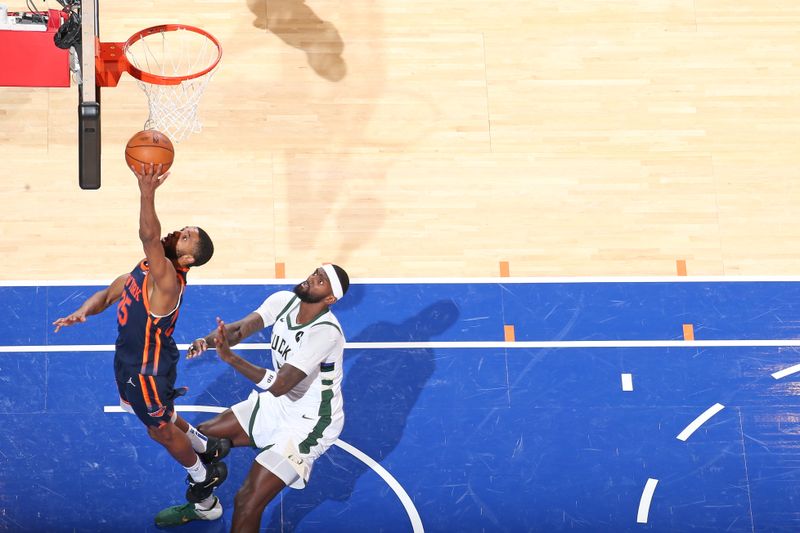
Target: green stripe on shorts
(253, 422)
(323, 422)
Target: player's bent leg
(175, 441)
(211, 449)
(260, 487)
(225, 425)
(179, 421)
(178, 445)
(158, 416)
(216, 450)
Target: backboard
(171, 63)
(40, 48)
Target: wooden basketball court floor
(437, 138)
(414, 139)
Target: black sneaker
(198, 491)
(216, 449)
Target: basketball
(149, 146)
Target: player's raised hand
(221, 342)
(197, 348)
(69, 320)
(149, 176)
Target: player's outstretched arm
(235, 333)
(150, 178)
(276, 383)
(288, 377)
(96, 303)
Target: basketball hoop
(172, 64)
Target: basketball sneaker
(216, 473)
(177, 515)
(216, 449)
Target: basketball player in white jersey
(298, 412)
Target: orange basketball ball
(149, 146)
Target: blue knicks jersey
(144, 341)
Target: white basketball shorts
(289, 442)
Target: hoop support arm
(110, 63)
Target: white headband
(333, 277)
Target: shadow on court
(380, 389)
(297, 25)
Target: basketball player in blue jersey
(145, 360)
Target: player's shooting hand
(221, 342)
(197, 348)
(74, 318)
(149, 176)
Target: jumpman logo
(130, 382)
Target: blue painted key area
(481, 439)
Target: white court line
(786, 372)
(699, 421)
(407, 281)
(413, 515)
(408, 504)
(644, 501)
(627, 382)
(182, 408)
(454, 345)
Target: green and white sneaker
(177, 515)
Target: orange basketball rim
(172, 64)
(115, 58)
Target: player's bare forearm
(96, 303)
(237, 331)
(103, 299)
(252, 372)
(149, 178)
(163, 273)
(288, 377)
(149, 225)
(234, 333)
(231, 333)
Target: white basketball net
(181, 52)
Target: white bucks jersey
(316, 348)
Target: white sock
(198, 471)
(198, 440)
(206, 504)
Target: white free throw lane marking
(644, 501)
(411, 510)
(627, 382)
(786, 372)
(700, 420)
(745, 343)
